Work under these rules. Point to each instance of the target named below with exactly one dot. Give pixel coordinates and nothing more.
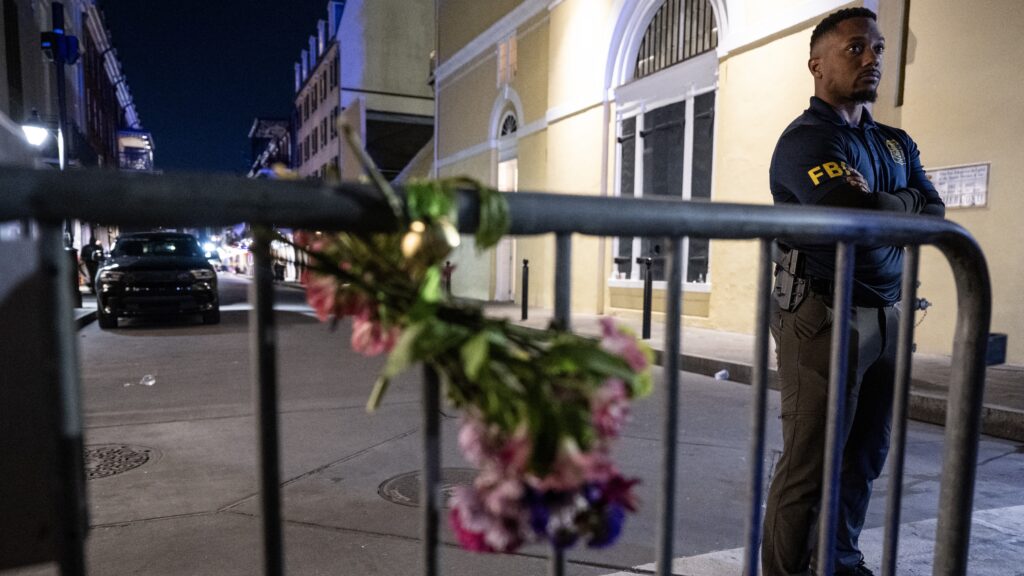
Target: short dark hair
(832, 21)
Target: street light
(35, 130)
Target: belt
(822, 286)
(826, 287)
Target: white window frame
(650, 93)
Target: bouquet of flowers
(541, 407)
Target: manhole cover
(405, 488)
(110, 459)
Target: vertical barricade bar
(563, 318)
(645, 328)
(759, 389)
(838, 366)
(963, 415)
(563, 280)
(264, 354)
(901, 393)
(71, 467)
(670, 362)
(525, 294)
(431, 479)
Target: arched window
(680, 30)
(509, 124)
(666, 130)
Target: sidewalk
(708, 352)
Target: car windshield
(156, 247)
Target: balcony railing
(193, 201)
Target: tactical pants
(803, 339)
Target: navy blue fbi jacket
(810, 165)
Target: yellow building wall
(574, 166)
(578, 57)
(531, 82)
(963, 106)
(463, 20)
(760, 92)
(539, 250)
(464, 109)
(950, 99)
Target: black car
(155, 273)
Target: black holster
(790, 287)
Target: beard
(864, 96)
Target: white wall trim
(558, 113)
(498, 31)
(467, 153)
(744, 33)
(704, 287)
(532, 128)
(553, 115)
(698, 74)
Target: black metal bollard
(76, 291)
(648, 294)
(446, 277)
(526, 286)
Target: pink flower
(622, 344)
(473, 441)
(322, 293)
(610, 408)
(310, 240)
(503, 497)
(484, 446)
(469, 539)
(369, 338)
(482, 530)
(302, 238)
(595, 466)
(515, 454)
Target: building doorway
(505, 252)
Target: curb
(998, 421)
(83, 320)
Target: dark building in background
(270, 141)
(114, 132)
(102, 126)
(368, 64)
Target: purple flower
(608, 528)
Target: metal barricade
(173, 200)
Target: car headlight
(203, 274)
(111, 276)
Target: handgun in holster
(790, 286)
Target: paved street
(179, 394)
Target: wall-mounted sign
(961, 186)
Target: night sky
(201, 70)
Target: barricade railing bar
(193, 200)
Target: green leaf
(493, 217)
(404, 353)
(378, 394)
(474, 354)
(642, 384)
(585, 356)
(430, 290)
